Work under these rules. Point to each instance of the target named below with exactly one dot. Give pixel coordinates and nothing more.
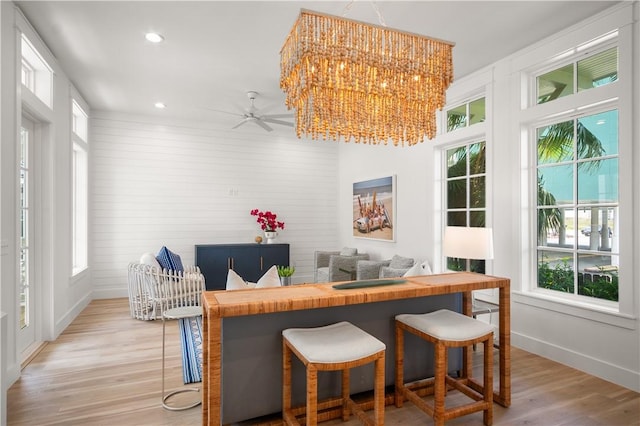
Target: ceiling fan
(252, 114)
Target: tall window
(577, 174)
(79, 164)
(577, 178)
(466, 194)
(26, 213)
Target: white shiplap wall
(181, 184)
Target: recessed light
(160, 105)
(154, 37)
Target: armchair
(332, 266)
(153, 290)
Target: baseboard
(110, 293)
(606, 371)
(71, 314)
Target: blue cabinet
(250, 261)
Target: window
(26, 211)
(79, 166)
(466, 115)
(466, 194)
(579, 151)
(594, 71)
(36, 74)
(577, 186)
(79, 121)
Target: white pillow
(235, 281)
(149, 259)
(426, 269)
(414, 270)
(269, 279)
(418, 269)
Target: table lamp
(468, 243)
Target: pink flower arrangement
(267, 220)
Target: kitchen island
(242, 340)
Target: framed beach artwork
(374, 208)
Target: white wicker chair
(153, 290)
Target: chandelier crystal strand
(355, 81)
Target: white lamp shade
(468, 243)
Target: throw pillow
(169, 260)
(269, 279)
(235, 281)
(348, 251)
(150, 259)
(399, 262)
(414, 270)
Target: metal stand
(177, 313)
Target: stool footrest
(329, 409)
(462, 385)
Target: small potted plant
(285, 272)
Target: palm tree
(555, 145)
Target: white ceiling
(215, 51)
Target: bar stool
(339, 346)
(171, 314)
(446, 329)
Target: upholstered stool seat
(339, 346)
(446, 329)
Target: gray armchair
(333, 266)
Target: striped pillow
(169, 260)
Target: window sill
(591, 312)
(78, 275)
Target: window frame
(534, 288)
(617, 95)
(40, 73)
(467, 176)
(573, 56)
(467, 104)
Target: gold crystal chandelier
(352, 80)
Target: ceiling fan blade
(237, 114)
(241, 123)
(270, 120)
(263, 125)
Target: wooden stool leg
(312, 395)
(440, 383)
(399, 396)
(487, 415)
(346, 392)
(379, 391)
(286, 378)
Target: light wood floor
(105, 369)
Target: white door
(26, 286)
